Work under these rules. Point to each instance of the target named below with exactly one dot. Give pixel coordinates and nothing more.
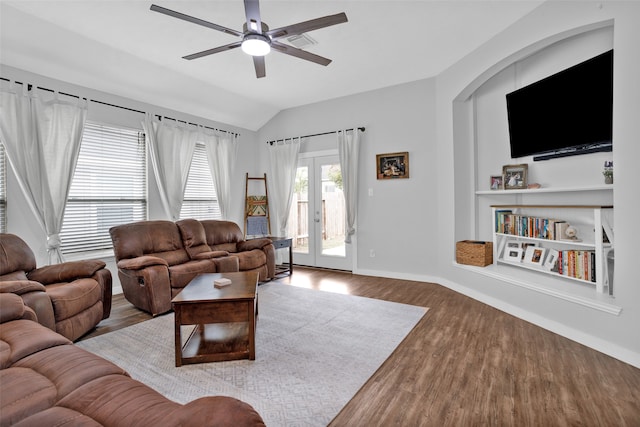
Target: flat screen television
(565, 114)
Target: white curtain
(171, 147)
(348, 149)
(222, 153)
(284, 164)
(42, 139)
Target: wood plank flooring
(468, 364)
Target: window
(109, 187)
(200, 198)
(3, 190)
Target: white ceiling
(123, 48)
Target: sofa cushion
(182, 274)
(23, 393)
(74, 297)
(15, 256)
(194, 238)
(59, 417)
(155, 238)
(117, 400)
(68, 367)
(26, 337)
(220, 232)
(76, 326)
(250, 260)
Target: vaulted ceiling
(123, 48)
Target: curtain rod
(29, 86)
(362, 128)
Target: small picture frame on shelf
(525, 245)
(496, 182)
(514, 244)
(534, 255)
(551, 261)
(513, 254)
(515, 176)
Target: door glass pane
(299, 212)
(332, 211)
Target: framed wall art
(392, 165)
(515, 176)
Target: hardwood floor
(468, 364)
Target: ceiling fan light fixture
(256, 44)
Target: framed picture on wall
(515, 176)
(392, 165)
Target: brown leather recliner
(46, 381)
(70, 298)
(157, 259)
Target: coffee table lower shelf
(217, 342)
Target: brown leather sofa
(70, 298)
(47, 381)
(157, 259)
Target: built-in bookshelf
(534, 237)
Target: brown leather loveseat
(48, 381)
(70, 298)
(157, 259)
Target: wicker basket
(474, 252)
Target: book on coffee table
(221, 283)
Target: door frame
(315, 258)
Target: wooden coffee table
(225, 318)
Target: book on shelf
(578, 264)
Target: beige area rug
(314, 351)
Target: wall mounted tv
(566, 114)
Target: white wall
(397, 222)
(22, 222)
(550, 23)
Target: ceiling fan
(256, 39)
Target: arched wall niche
(474, 163)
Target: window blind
(109, 187)
(200, 198)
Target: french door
(317, 215)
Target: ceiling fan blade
(305, 27)
(258, 63)
(299, 53)
(198, 21)
(252, 10)
(214, 50)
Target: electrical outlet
(372, 253)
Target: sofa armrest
(141, 262)
(211, 254)
(11, 307)
(20, 287)
(35, 298)
(218, 411)
(249, 245)
(66, 271)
